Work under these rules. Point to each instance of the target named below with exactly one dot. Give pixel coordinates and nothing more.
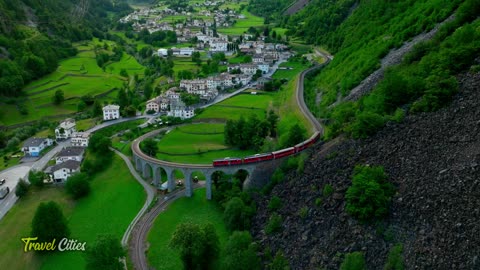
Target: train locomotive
(268, 156)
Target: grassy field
(242, 25)
(75, 76)
(239, 105)
(196, 143)
(197, 210)
(115, 199)
(285, 99)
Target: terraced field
(76, 76)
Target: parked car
(4, 192)
(3, 181)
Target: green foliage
(58, 98)
(303, 212)
(318, 202)
(295, 135)
(198, 245)
(78, 185)
(99, 143)
(370, 193)
(237, 215)
(105, 254)
(354, 261)
(149, 146)
(274, 224)
(240, 253)
(426, 78)
(275, 203)
(189, 99)
(246, 134)
(279, 262)
(49, 223)
(22, 188)
(395, 258)
(366, 124)
(327, 190)
(32, 52)
(36, 178)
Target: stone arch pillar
(188, 182)
(147, 167)
(208, 184)
(138, 163)
(170, 178)
(157, 175)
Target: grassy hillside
(76, 76)
(361, 33)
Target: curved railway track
(138, 245)
(139, 235)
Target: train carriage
(258, 158)
(284, 152)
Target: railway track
(138, 241)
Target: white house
(153, 105)
(70, 153)
(33, 146)
(80, 139)
(264, 67)
(65, 129)
(178, 109)
(218, 46)
(162, 52)
(111, 112)
(187, 51)
(257, 58)
(61, 172)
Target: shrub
(369, 194)
(327, 190)
(77, 185)
(279, 262)
(395, 258)
(318, 201)
(36, 178)
(274, 224)
(353, 261)
(275, 203)
(303, 213)
(22, 188)
(366, 124)
(237, 215)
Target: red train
(268, 156)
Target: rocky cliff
(433, 159)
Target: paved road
(13, 174)
(150, 195)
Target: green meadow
(196, 143)
(76, 76)
(113, 202)
(242, 25)
(196, 209)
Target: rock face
(433, 159)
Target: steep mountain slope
(432, 159)
(35, 34)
